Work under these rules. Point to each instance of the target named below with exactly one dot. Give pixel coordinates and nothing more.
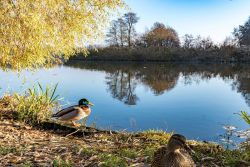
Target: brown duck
(75, 113)
(174, 154)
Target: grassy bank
(25, 143)
(164, 54)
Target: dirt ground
(22, 145)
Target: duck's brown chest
(86, 110)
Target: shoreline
(33, 145)
(79, 60)
(157, 61)
(163, 54)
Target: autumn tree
(130, 19)
(242, 33)
(40, 33)
(160, 35)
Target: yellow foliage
(36, 33)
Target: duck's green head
(85, 102)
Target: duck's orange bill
(91, 104)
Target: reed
(244, 115)
(36, 105)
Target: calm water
(194, 100)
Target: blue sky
(214, 18)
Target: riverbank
(23, 144)
(164, 54)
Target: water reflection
(122, 78)
(159, 78)
(242, 85)
(121, 85)
(123, 81)
(227, 139)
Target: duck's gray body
(73, 113)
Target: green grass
(129, 153)
(88, 151)
(112, 160)
(27, 164)
(149, 152)
(36, 104)
(58, 162)
(157, 135)
(7, 150)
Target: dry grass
(21, 144)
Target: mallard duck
(75, 113)
(174, 154)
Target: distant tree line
(122, 33)
(162, 43)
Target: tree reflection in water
(122, 86)
(122, 78)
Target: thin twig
(72, 133)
